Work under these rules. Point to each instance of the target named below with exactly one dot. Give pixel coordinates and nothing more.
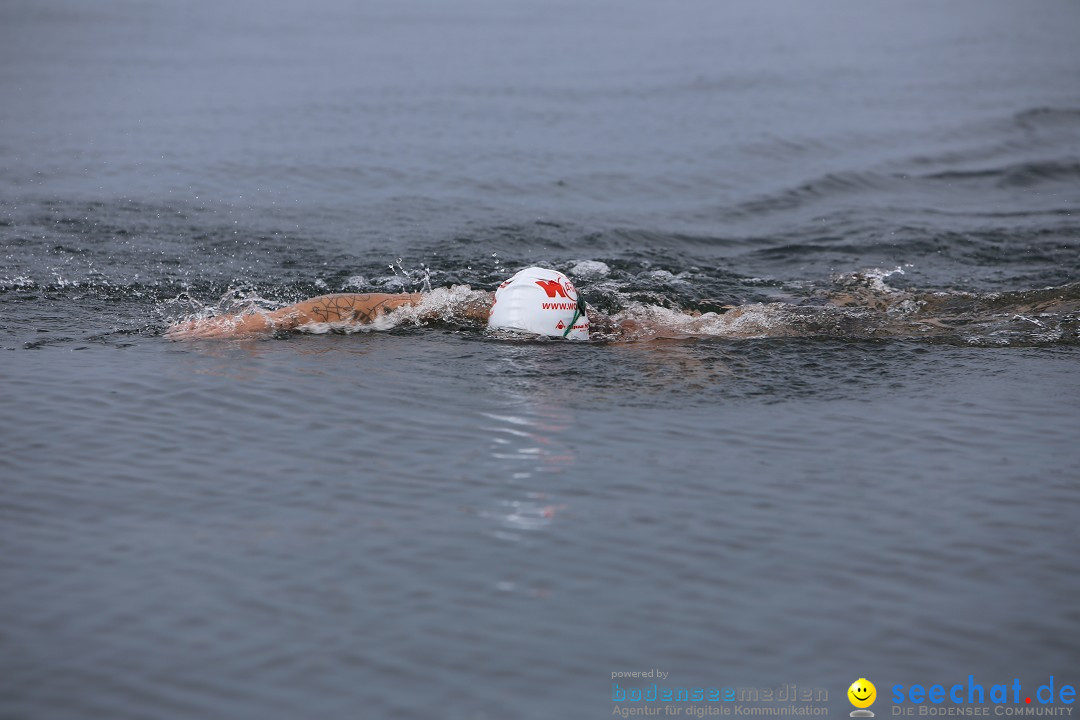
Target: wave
(922, 191)
(1030, 149)
(1048, 117)
(829, 186)
(1024, 174)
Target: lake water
(433, 522)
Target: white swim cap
(540, 301)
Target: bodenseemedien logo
(699, 701)
(862, 694)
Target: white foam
(390, 281)
(757, 320)
(871, 278)
(21, 281)
(447, 303)
(590, 269)
(355, 281)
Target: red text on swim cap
(554, 287)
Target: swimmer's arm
(339, 307)
(478, 308)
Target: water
(429, 521)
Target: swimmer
(542, 302)
(535, 300)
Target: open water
(431, 522)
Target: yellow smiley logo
(862, 693)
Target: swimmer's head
(540, 301)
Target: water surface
(429, 521)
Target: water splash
(590, 270)
(408, 279)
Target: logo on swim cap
(539, 301)
(556, 288)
